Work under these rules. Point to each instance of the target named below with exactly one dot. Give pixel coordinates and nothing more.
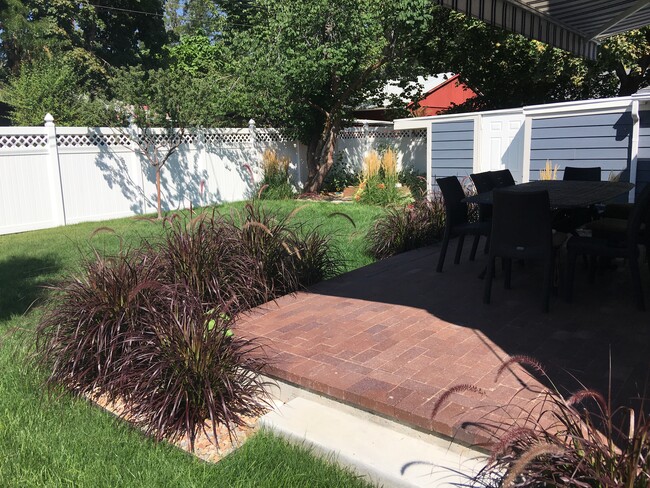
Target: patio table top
(565, 194)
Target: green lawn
(65, 441)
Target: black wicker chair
(627, 248)
(572, 173)
(502, 178)
(521, 230)
(456, 221)
(483, 182)
(570, 220)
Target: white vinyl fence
(51, 176)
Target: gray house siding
(582, 140)
(452, 149)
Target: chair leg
(633, 263)
(571, 271)
(443, 249)
(459, 248)
(486, 248)
(593, 266)
(549, 267)
(487, 290)
(507, 273)
(472, 255)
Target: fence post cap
(251, 123)
(49, 120)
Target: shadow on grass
(22, 282)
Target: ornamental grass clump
(408, 227)
(204, 254)
(155, 328)
(289, 256)
(549, 172)
(575, 440)
(189, 367)
(379, 184)
(276, 183)
(91, 318)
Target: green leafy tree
(505, 69)
(161, 105)
(205, 63)
(306, 66)
(195, 17)
(628, 56)
(57, 86)
(509, 70)
(116, 32)
(21, 37)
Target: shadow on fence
(201, 174)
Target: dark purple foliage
(289, 256)
(576, 441)
(90, 319)
(189, 366)
(205, 255)
(405, 228)
(154, 327)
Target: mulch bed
(204, 445)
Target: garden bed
(205, 447)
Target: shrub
(275, 184)
(55, 85)
(416, 182)
(204, 254)
(567, 444)
(340, 176)
(90, 318)
(189, 367)
(289, 257)
(405, 228)
(379, 181)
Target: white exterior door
(502, 144)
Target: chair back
(453, 195)
(572, 173)
(482, 181)
(521, 224)
(502, 178)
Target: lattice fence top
(92, 140)
(270, 135)
(13, 141)
(224, 138)
(217, 138)
(381, 133)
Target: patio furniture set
(534, 221)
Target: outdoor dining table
(565, 194)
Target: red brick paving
(392, 337)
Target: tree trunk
(320, 160)
(158, 169)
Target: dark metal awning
(572, 25)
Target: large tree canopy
(304, 66)
(508, 70)
(116, 32)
